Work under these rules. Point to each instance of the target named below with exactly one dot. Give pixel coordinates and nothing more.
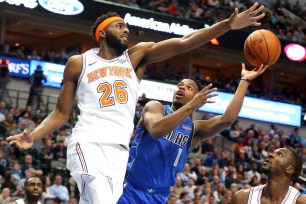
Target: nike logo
(186, 127)
(89, 64)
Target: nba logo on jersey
(121, 61)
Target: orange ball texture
(262, 47)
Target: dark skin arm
(61, 112)
(159, 125)
(208, 128)
(146, 53)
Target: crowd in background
(212, 174)
(45, 54)
(287, 20)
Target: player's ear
(290, 170)
(102, 33)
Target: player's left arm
(171, 47)
(209, 128)
(301, 199)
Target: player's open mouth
(267, 161)
(179, 94)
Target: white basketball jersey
(107, 95)
(255, 195)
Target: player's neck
(108, 53)
(276, 189)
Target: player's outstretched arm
(209, 128)
(240, 197)
(155, 52)
(159, 125)
(61, 112)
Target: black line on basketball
(254, 49)
(266, 46)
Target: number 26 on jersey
(112, 93)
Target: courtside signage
(253, 108)
(18, 67)
(157, 90)
(63, 7)
(152, 24)
(54, 72)
(26, 3)
(259, 109)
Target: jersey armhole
(82, 71)
(191, 137)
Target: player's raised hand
(253, 73)
(246, 18)
(203, 96)
(22, 141)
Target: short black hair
(198, 82)
(99, 20)
(297, 163)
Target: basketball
(262, 47)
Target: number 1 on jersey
(107, 90)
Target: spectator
(177, 189)
(28, 165)
(5, 197)
(59, 190)
(46, 194)
(253, 176)
(207, 146)
(186, 174)
(212, 158)
(189, 188)
(37, 87)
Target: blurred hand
(22, 141)
(246, 18)
(253, 73)
(202, 97)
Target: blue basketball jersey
(154, 163)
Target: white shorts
(98, 170)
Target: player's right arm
(240, 197)
(159, 125)
(61, 112)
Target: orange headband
(105, 23)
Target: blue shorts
(133, 194)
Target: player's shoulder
(301, 199)
(153, 105)
(75, 59)
(240, 196)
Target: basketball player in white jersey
(106, 84)
(281, 167)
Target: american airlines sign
(152, 24)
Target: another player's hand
(202, 96)
(22, 141)
(253, 73)
(246, 18)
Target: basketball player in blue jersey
(281, 166)
(105, 82)
(165, 135)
